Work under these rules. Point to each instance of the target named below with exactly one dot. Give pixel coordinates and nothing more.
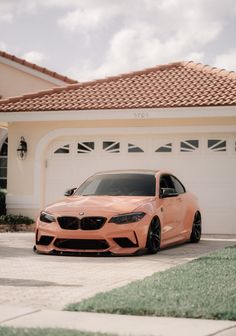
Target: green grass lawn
(204, 288)
(6, 331)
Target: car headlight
(127, 218)
(46, 217)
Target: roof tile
(174, 85)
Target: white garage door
(205, 164)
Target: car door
(172, 210)
(180, 189)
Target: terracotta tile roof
(182, 84)
(37, 68)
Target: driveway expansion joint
(20, 316)
(219, 332)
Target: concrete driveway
(50, 282)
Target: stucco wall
(15, 82)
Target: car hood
(90, 204)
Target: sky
(90, 39)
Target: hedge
(2, 202)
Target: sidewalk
(115, 324)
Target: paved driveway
(51, 282)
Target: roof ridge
(37, 67)
(210, 69)
(137, 72)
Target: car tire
(35, 249)
(154, 236)
(196, 228)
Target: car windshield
(119, 185)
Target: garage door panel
(217, 221)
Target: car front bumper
(113, 238)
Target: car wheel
(196, 229)
(154, 236)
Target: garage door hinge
(46, 163)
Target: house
(179, 116)
(19, 77)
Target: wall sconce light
(22, 149)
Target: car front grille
(86, 223)
(92, 223)
(68, 223)
(81, 244)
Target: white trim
(32, 72)
(121, 114)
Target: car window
(166, 182)
(119, 185)
(178, 185)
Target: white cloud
(90, 14)
(82, 18)
(120, 36)
(154, 32)
(3, 46)
(6, 17)
(194, 56)
(227, 60)
(34, 57)
(140, 47)
(82, 72)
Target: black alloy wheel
(154, 237)
(196, 229)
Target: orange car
(120, 212)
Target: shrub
(15, 219)
(2, 202)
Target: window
(3, 164)
(166, 182)
(119, 185)
(85, 147)
(164, 149)
(217, 145)
(111, 146)
(4, 148)
(170, 181)
(134, 149)
(178, 185)
(189, 145)
(63, 150)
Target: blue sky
(88, 39)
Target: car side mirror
(168, 192)
(69, 192)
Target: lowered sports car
(120, 212)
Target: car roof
(129, 171)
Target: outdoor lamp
(22, 149)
